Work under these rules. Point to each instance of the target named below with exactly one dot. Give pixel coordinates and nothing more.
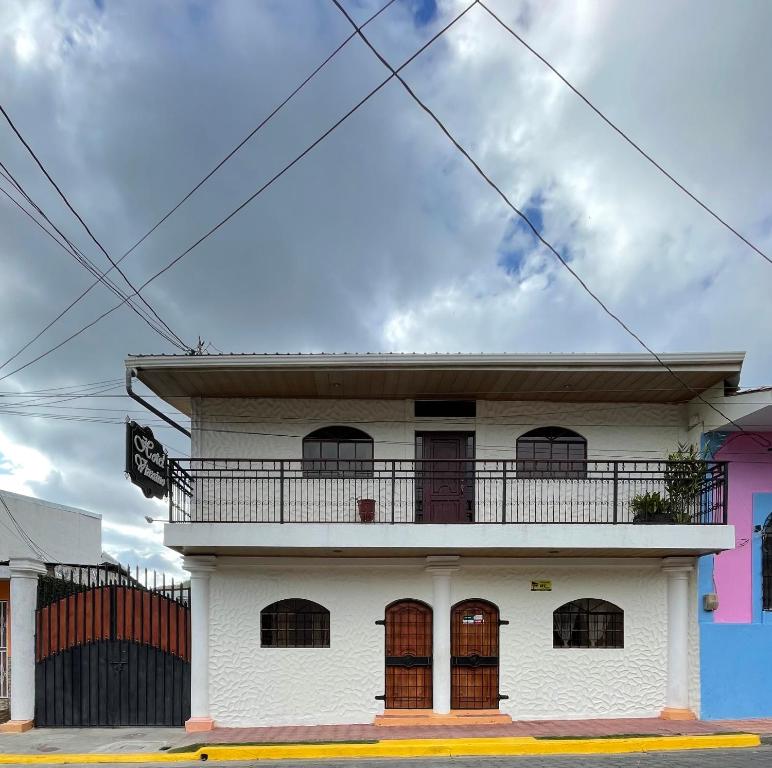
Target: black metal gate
(110, 650)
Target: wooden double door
(474, 663)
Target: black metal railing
(462, 491)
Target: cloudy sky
(383, 237)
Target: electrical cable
(36, 548)
(71, 249)
(206, 178)
(530, 224)
(85, 226)
(246, 202)
(630, 141)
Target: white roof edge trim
(52, 504)
(594, 360)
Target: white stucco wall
(250, 685)
(613, 430)
(65, 534)
(274, 429)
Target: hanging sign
(145, 461)
(478, 618)
(541, 586)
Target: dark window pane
(311, 449)
(329, 450)
(588, 623)
(339, 447)
(295, 623)
(364, 450)
(347, 450)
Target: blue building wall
(736, 659)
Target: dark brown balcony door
(408, 655)
(445, 486)
(474, 655)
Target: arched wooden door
(474, 655)
(408, 655)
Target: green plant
(684, 475)
(650, 507)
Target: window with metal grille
(766, 565)
(552, 452)
(588, 623)
(295, 623)
(338, 452)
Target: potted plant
(651, 508)
(684, 473)
(684, 476)
(366, 510)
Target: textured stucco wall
(274, 429)
(255, 686)
(613, 431)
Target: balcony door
(445, 477)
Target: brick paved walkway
(561, 728)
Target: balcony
(483, 491)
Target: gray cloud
(382, 238)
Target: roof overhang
(546, 377)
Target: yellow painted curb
(407, 748)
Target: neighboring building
(370, 536)
(736, 637)
(33, 533)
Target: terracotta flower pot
(366, 510)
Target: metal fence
(4, 633)
(481, 491)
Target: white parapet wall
(253, 686)
(61, 534)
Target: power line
(246, 202)
(36, 548)
(206, 178)
(72, 250)
(85, 226)
(630, 141)
(527, 220)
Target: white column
(677, 570)
(200, 569)
(24, 594)
(441, 569)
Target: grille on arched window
(338, 452)
(766, 565)
(295, 623)
(551, 452)
(588, 623)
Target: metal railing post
(616, 492)
(281, 491)
(504, 492)
(393, 487)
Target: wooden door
(474, 660)
(408, 655)
(445, 488)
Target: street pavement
(731, 758)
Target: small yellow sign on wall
(541, 586)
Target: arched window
(766, 565)
(338, 452)
(295, 623)
(551, 452)
(588, 623)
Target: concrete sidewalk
(536, 728)
(124, 741)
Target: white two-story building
(379, 537)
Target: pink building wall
(750, 471)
